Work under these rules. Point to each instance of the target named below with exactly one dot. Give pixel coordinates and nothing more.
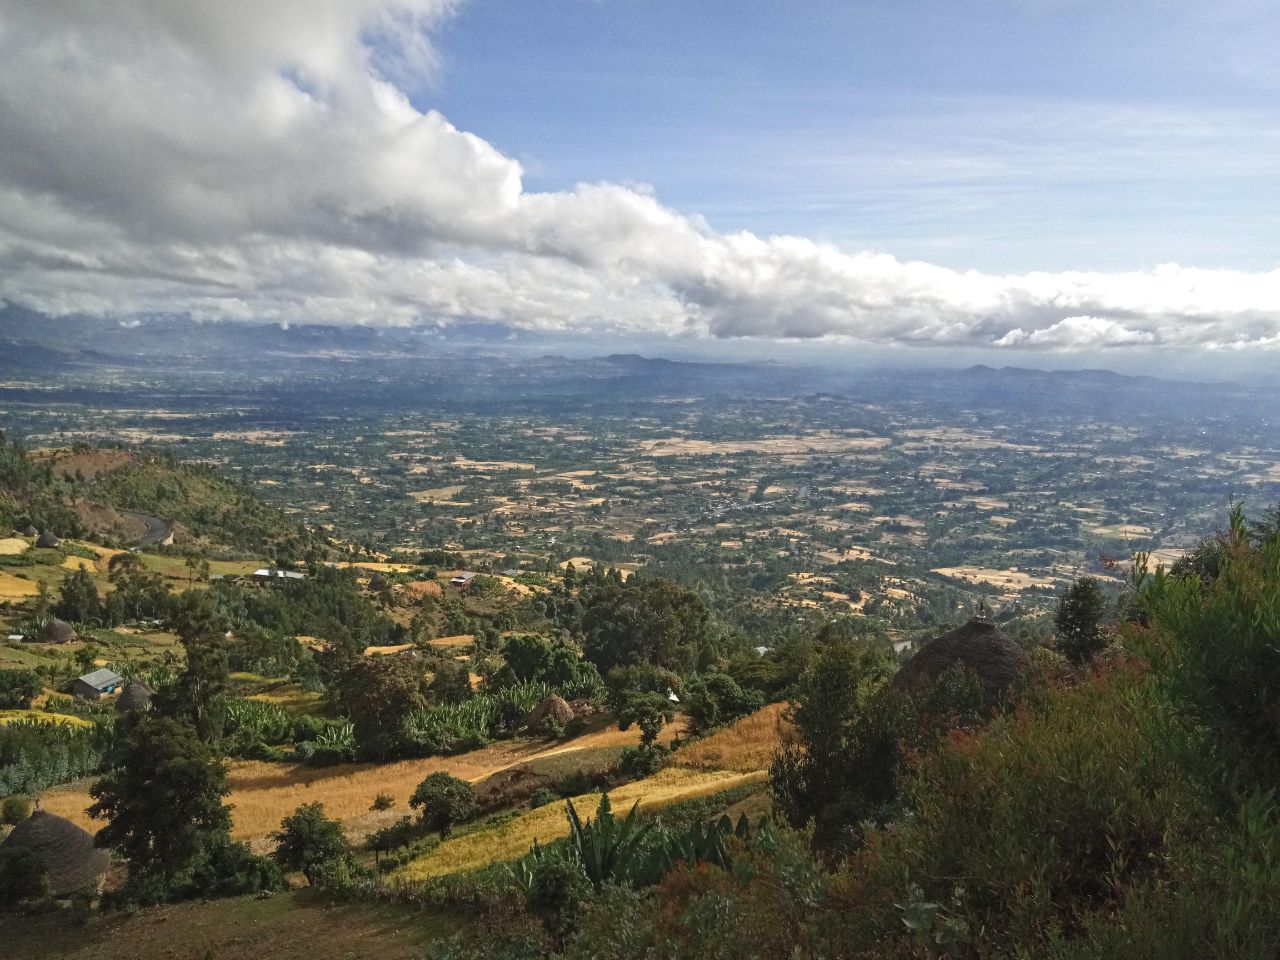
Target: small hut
(30, 531)
(47, 539)
(980, 646)
(57, 631)
(134, 697)
(554, 707)
(66, 852)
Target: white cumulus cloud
(251, 160)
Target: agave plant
(609, 849)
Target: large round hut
(47, 539)
(554, 707)
(978, 645)
(57, 631)
(134, 697)
(66, 852)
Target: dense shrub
(1045, 816)
(15, 809)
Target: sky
(1018, 177)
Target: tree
(163, 804)
(646, 709)
(18, 688)
(527, 655)
(452, 683)
(1081, 610)
(654, 621)
(716, 698)
(78, 599)
(201, 627)
(391, 837)
(379, 693)
(307, 840)
(445, 801)
(138, 593)
(197, 565)
(842, 769)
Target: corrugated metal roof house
(97, 684)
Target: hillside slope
(131, 496)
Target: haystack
(57, 631)
(980, 646)
(554, 707)
(64, 850)
(47, 539)
(135, 696)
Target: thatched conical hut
(30, 531)
(64, 850)
(980, 646)
(58, 631)
(554, 707)
(47, 539)
(135, 696)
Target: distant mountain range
(487, 366)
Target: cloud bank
(242, 160)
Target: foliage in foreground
(1127, 811)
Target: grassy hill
(114, 494)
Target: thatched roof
(57, 631)
(555, 707)
(978, 645)
(135, 696)
(66, 851)
(30, 531)
(47, 539)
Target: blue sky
(1001, 136)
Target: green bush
(1045, 816)
(642, 760)
(542, 796)
(557, 890)
(15, 809)
(445, 801)
(22, 878)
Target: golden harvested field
(13, 547)
(13, 588)
(384, 651)
(262, 794)
(437, 495)
(743, 747)
(8, 716)
(1010, 579)
(1120, 531)
(461, 640)
(512, 839)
